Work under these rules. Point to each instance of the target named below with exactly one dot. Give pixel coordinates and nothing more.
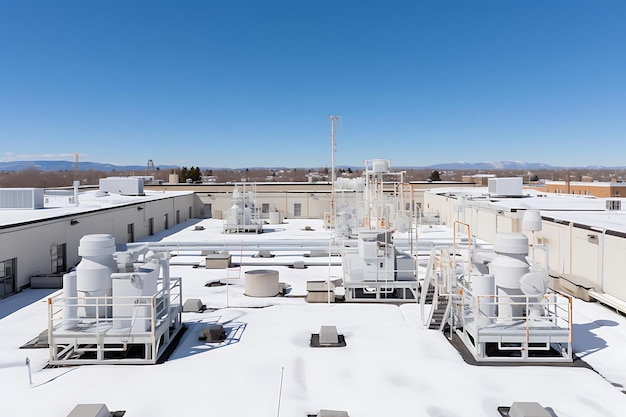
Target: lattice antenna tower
(150, 167)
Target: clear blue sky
(251, 83)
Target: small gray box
(90, 410)
(528, 409)
(217, 261)
(332, 413)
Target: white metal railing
(549, 311)
(94, 318)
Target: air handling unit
(122, 185)
(21, 198)
(505, 187)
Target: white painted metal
(483, 289)
(122, 185)
(505, 187)
(21, 198)
(531, 222)
(93, 273)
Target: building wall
(596, 189)
(313, 197)
(31, 244)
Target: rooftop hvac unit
(505, 187)
(122, 186)
(21, 198)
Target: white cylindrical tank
(93, 273)
(531, 222)
(261, 283)
(483, 291)
(508, 267)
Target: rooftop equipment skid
(374, 269)
(494, 327)
(138, 332)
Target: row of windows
(583, 192)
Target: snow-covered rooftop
(58, 204)
(391, 365)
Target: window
(131, 233)
(57, 255)
(190, 213)
(7, 277)
(177, 216)
(297, 209)
(265, 208)
(613, 205)
(166, 220)
(151, 226)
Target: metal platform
(138, 338)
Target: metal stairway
(432, 286)
(439, 313)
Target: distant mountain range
(69, 166)
(467, 166)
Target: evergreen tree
(434, 176)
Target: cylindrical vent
(96, 245)
(531, 222)
(511, 243)
(261, 283)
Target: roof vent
(213, 333)
(331, 413)
(524, 409)
(193, 305)
(263, 254)
(94, 410)
(328, 337)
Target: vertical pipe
(70, 295)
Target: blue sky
(251, 83)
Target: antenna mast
(75, 166)
(335, 124)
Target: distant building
(587, 187)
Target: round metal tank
(508, 269)
(261, 283)
(483, 289)
(93, 273)
(531, 222)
